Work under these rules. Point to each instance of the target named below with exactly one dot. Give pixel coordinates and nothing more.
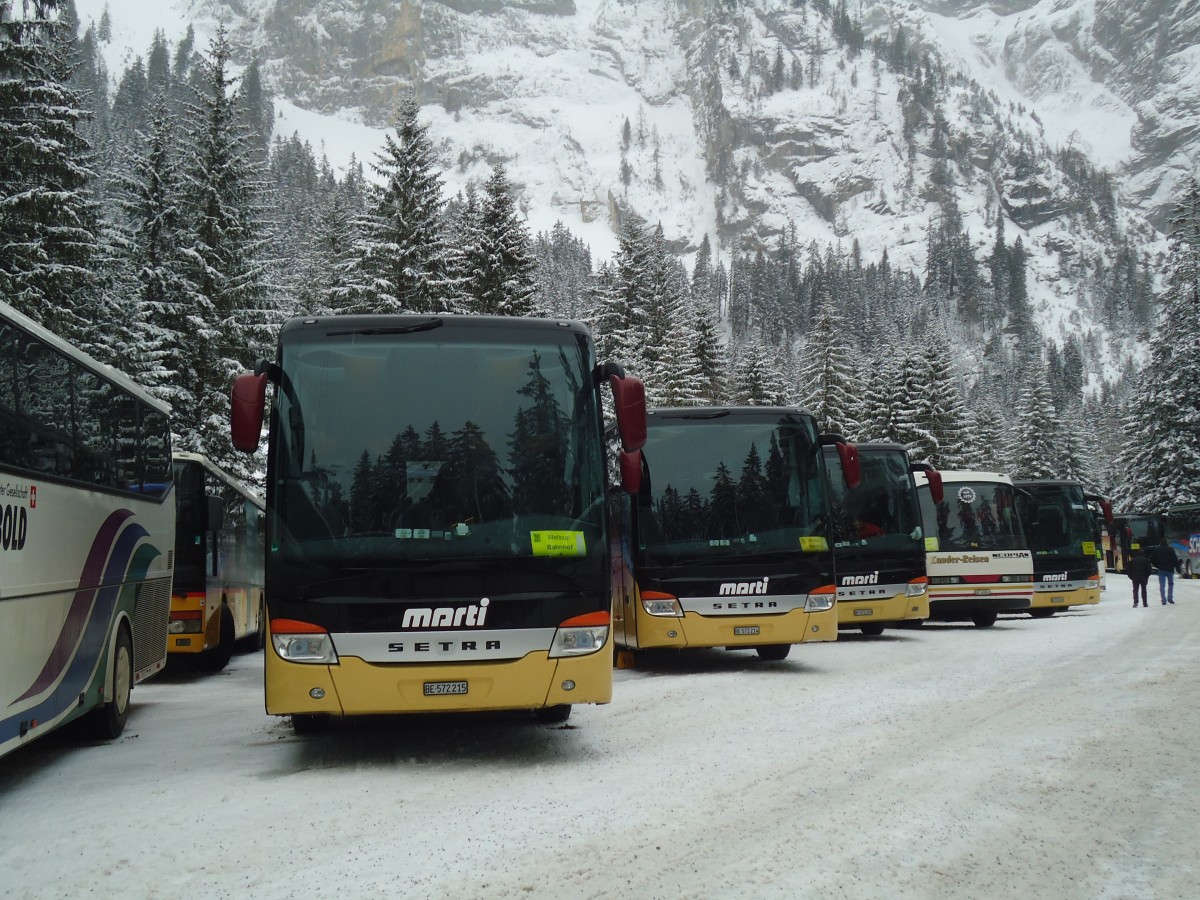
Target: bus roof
(218, 472)
(300, 327)
(965, 475)
(45, 335)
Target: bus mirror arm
(631, 471)
(216, 513)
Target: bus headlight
(580, 635)
(301, 642)
(916, 587)
(821, 599)
(656, 603)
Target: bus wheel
(984, 619)
(1042, 613)
(872, 630)
(553, 715)
(310, 723)
(773, 652)
(108, 721)
(218, 657)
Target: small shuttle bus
(976, 557)
(1063, 538)
(727, 543)
(436, 532)
(878, 541)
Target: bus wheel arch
(217, 658)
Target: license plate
(1057, 599)
(437, 688)
(745, 629)
(864, 612)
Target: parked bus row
(1133, 532)
(438, 532)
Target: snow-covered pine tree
(1034, 450)
(224, 186)
(620, 321)
(48, 221)
(914, 415)
(947, 411)
(564, 273)
(500, 263)
(756, 380)
(1161, 461)
(402, 258)
(826, 378)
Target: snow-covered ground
(1051, 758)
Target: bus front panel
(436, 517)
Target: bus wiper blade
(426, 325)
(713, 414)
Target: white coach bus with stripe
(87, 523)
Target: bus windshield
(439, 445)
(1146, 530)
(732, 484)
(881, 514)
(973, 515)
(1057, 520)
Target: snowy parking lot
(1052, 758)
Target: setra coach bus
(878, 540)
(87, 520)
(977, 560)
(436, 534)
(1063, 537)
(727, 543)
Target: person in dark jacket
(1138, 569)
(1166, 562)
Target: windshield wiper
(713, 414)
(426, 325)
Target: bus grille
(150, 615)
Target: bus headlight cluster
(915, 589)
(305, 648)
(184, 626)
(662, 606)
(819, 602)
(578, 641)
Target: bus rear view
(976, 557)
(1063, 538)
(435, 515)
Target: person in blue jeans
(1167, 564)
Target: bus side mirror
(216, 513)
(1106, 507)
(631, 472)
(933, 478)
(246, 405)
(629, 400)
(851, 470)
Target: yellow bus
(727, 543)
(977, 558)
(217, 595)
(1063, 538)
(878, 541)
(436, 529)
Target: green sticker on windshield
(558, 543)
(813, 544)
(1089, 548)
(931, 543)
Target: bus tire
(108, 720)
(1042, 613)
(553, 715)
(773, 652)
(875, 629)
(984, 619)
(310, 723)
(218, 657)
